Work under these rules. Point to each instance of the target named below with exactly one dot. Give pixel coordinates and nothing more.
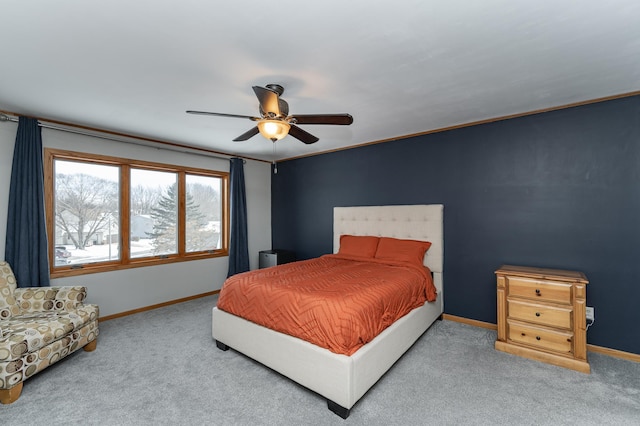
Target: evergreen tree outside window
(164, 237)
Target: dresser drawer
(539, 290)
(553, 316)
(550, 340)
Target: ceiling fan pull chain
(275, 165)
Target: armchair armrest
(49, 299)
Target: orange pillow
(363, 246)
(402, 250)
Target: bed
(342, 379)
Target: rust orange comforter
(336, 302)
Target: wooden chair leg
(91, 346)
(7, 396)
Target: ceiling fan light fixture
(273, 129)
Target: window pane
(86, 206)
(203, 213)
(154, 213)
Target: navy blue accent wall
(559, 190)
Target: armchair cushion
(28, 333)
(69, 298)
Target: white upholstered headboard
(412, 222)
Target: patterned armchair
(38, 327)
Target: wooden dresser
(541, 315)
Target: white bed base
(342, 379)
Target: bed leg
(222, 346)
(338, 409)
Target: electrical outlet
(591, 313)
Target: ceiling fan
(275, 122)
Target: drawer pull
(538, 292)
(537, 337)
(537, 314)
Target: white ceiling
(399, 68)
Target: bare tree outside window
(143, 199)
(203, 223)
(86, 211)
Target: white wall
(7, 139)
(125, 290)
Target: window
(154, 213)
(87, 210)
(106, 213)
(202, 222)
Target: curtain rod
(136, 141)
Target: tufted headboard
(412, 222)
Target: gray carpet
(162, 367)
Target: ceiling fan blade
(339, 119)
(302, 135)
(268, 100)
(246, 135)
(219, 114)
